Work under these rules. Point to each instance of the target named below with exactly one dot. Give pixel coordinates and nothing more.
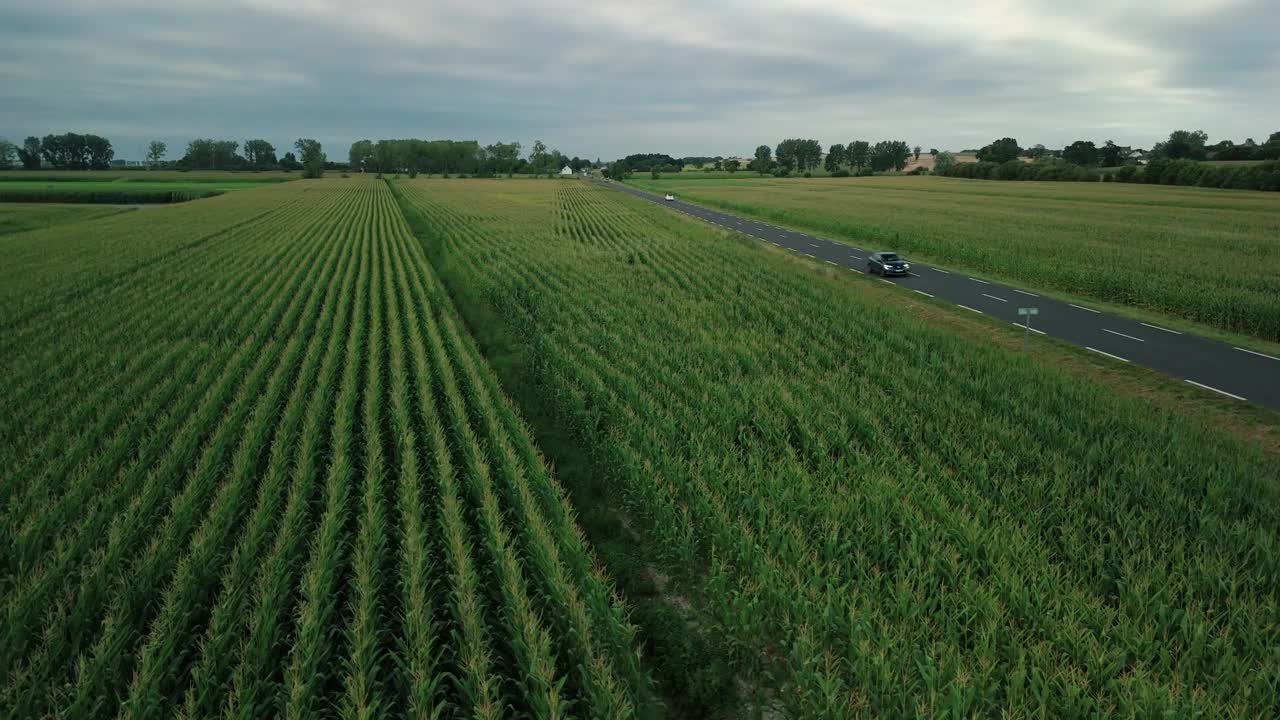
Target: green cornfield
(254, 467)
(1205, 256)
(261, 456)
(880, 519)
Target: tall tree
(1002, 150)
(29, 154)
(1111, 154)
(539, 157)
(503, 156)
(732, 165)
(916, 151)
(859, 152)
(360, 155)
(835, 158)
(889, 154)
(786, 154)
(943, 162)
(1189, 144)
(259, 154)
(155, 152)
(8, 154)
(289, 162)
(312, 157)
(763, 159)
(1081, 152)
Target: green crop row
(880, 519)
(254, 467)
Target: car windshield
(889, 256)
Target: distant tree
(29, 154)
(259, 154)
(289, 162)
(889, 154)
(943, 162)
(155, 152)
(1000, 151)
(619, 170)
(73, 151)
(732, 165)
(835, 158)
(1183, 144)
(653, 173)
(209, 154)
(1081, 152)
(916, 151)
(934, 152)
(859, 153)
(8, 154)
(809, 154)
(312, 157)
(785, 154)
(1037, 152)
(1111, 154)
(539, 158)
(360, 155)
(504, 156)
(763, 159)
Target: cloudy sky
(609, 77)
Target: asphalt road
(1232, 372)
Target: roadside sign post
(1026, 328)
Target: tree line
(1178, 160)
(74, 151)
(412, 156)
(68, 151)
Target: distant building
(566, 171)
(127, 163)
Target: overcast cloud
(609, 77)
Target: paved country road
(1230, 371)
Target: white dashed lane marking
(1214, 389)
(1113, 332)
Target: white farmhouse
(566, 170)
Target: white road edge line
(984, 282)
(1214, 389)
(1157, 327)
(1251, 352)
(1113, 332)
(831, 263)
(993, 297)
(1020, 326)
(1114, 357)
(1080, 307)
(1024, 292)
(885, 281)
(966, 307)
(940, 270)
(923, 293)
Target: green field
(253, 465)
(123, 191)
(1206, 256)
(491, 448)
(879, 518)
(146, 176)
(17, 217)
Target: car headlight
(906, 265)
